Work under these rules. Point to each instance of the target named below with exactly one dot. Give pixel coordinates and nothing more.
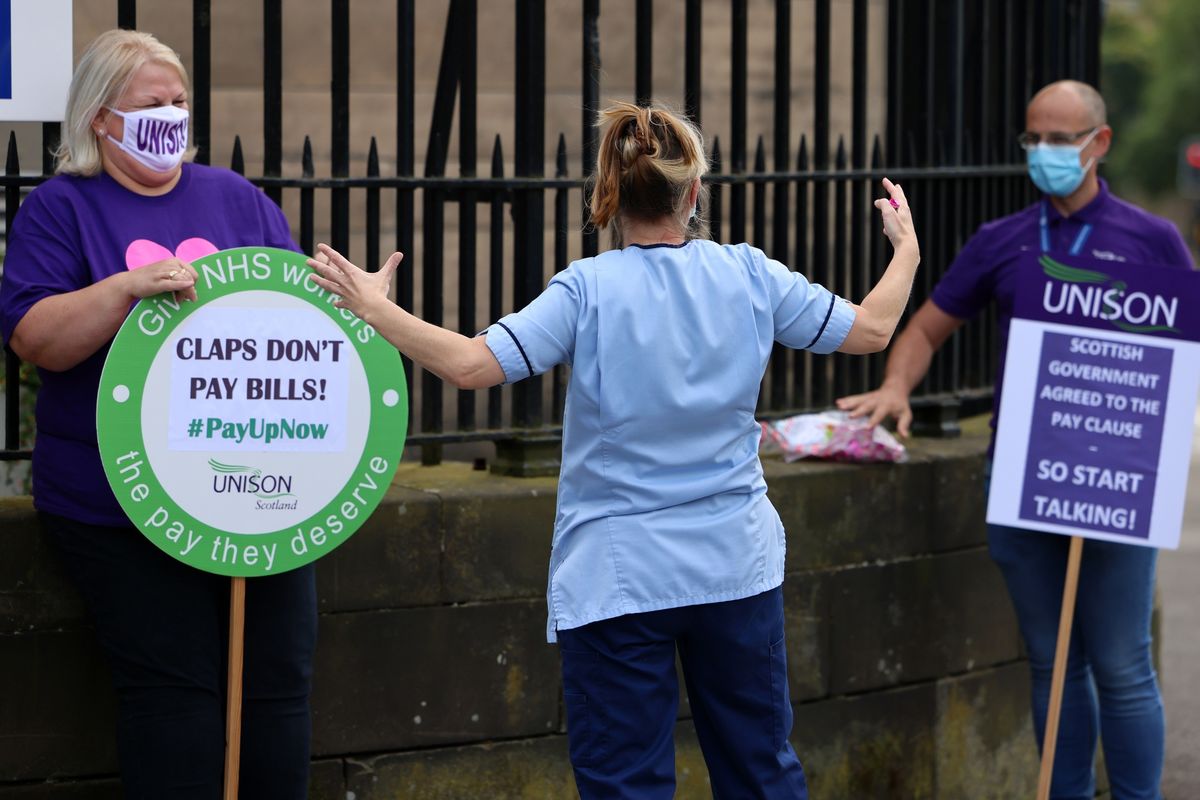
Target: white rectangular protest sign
(1094, 431)
(243, 379)
(35, 59)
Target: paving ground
(1179, 585)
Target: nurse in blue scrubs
(664, 541)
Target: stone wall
(434, 681)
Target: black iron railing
(958, 74)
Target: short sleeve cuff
(947, 303)
(836, 328)
(9, 319)
(507, 348)
(14, 309)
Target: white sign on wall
(35, 59)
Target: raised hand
(897, 218)
(359, 291)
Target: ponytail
(647, 161)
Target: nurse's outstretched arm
(464, 362)
(876, 318)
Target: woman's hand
(467, 363)
(62, 330)
(361, 292)
(897, 219)
(168, 275)
(876, 319)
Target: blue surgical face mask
(1055, 168)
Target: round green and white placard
(253, 431)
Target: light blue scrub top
(661, 500)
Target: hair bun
(633, 144)
(652, 187)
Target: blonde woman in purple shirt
(1111, 692)
(120, 221)
(664, 540)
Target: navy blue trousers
(622, 695)
(165, 629)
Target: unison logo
(158, 137)
(1095, 295)
(236, 479)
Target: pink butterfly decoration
(143, 251)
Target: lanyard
(1084, 233)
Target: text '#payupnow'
(256, 428)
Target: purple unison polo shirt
(987, 266)
(72, 232)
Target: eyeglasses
(1029, 139)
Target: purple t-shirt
(72, 232)
(988, 265)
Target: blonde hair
(102, 76)
(647, 161)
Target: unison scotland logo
(1096, 295)
(238, 479)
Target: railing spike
(373, 160)
(237, 162)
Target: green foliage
(1151, 82)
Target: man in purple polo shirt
(1110, 678)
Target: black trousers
(165, 628)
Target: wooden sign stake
(233, 709)
(1066, 617)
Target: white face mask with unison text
(155, 137)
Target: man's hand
(886, 401)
